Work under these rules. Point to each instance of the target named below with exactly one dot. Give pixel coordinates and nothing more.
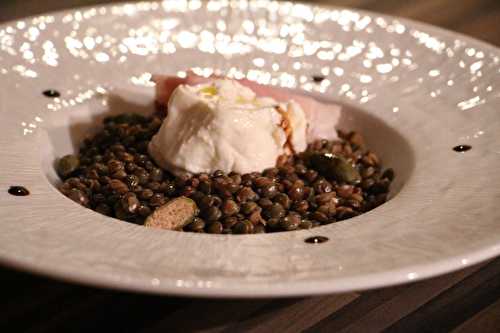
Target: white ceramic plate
(415, 91)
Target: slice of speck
(173, 215)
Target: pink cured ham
(321, 118)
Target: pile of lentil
(114, 175)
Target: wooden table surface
(464, 301)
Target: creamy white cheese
(222, 125)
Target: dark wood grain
(393, 304)
(455, 305)
(464, 301)
(486, 320)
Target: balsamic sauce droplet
(462, 148)
(318, 78)
(19, 191)
(51, 93)
(316, 239)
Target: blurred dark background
(478, 18)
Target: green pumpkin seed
(67, 165)
(173, 215)
(336, 167)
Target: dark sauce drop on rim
(318, 78)
(316, 239)
(462, 148)
(51, 93)
(19, 191)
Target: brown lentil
(130, 203)
(157, 200)
(154, 186)
(78, 196)
(265, 203)
(236, 178)
(246, 193)
(213, 214)
(205, 186)
(388, 174)
(248, 207)
(320, 216)
(290, 222)
(324, 198)
(146, 194)
(197, 225)
(120, 174)
(144, 210)
(269, 191)
(255, 217)
(328, 209)
(305, 224)
(345, 191)
(311, 175)
(114, 175)
(132, 180)
(301, 206)
(259, 229)
(230, 207)
(296, 192)
(215, 228)
(273, 223)
(229, 222)
(368, 172)
(276, 211)
(168, 188)
(156, 174)
(103, 209)
(118, 186)
(187, 191)
(115, 165)
(262, 181)
(243, 227)
(283, 200)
